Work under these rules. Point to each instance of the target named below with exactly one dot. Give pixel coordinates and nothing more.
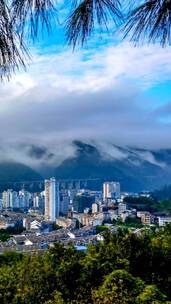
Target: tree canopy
(124, 269)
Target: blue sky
(158, 93)
(108, 92)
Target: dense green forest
(151, 204)
(124, 269)
(164, 193)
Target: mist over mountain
(12, 173)
(136, 169)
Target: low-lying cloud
(88, 96)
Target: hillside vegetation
(124, 269)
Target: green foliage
(8, 283)
(124, 269)
(150, 295)
(133, 222)
(150, 204)
(56, 299)
(10, 258)
(141, 203)
(56, 227)
(17, 229)
(101, 228)
(163, 207)
(4, 235)
(119, 287)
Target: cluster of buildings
(22, 200)
(51, 202)
(67, 215)
(76, 207)
(93, 208)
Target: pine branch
(151, 21)
(81, 22)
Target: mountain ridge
(134, 172)
(136, 169)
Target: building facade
(111, 190)
(145, 217)
(163, 220)
(121, 209)
(51, 199)
(64, 202)
(10, 199)
(95, 208)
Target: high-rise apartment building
(39, 201)
(15, 200)
(64, 202)
(82, 200)
(5, 200)
(1, 207)
(111, 190)
(24, 199)
(95, 208)
(10, 199)
(121, 208)
(51, 199)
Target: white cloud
(95, 69)
(148, 156)
(88, 95)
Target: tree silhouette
(150, 21)
(18, 19)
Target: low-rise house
(5, 223)
(66, 222)
(36, 225)
(27, 242)
(145, 217)
(163, 220)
